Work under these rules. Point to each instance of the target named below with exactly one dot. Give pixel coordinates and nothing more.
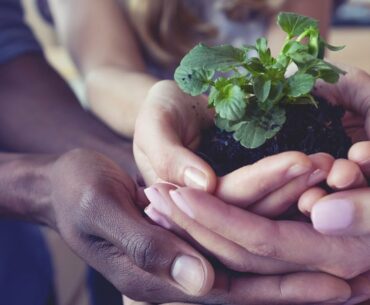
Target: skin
(92, 204)
(278, 240)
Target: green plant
(249, 91)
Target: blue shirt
(16, 38)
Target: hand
(233, 235)
(168, 130)
(94, 210)
(351, 92)
(346, 212)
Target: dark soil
(307, 129)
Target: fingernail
(157, 217)
(357, 300)
(316, 177)
(188, 271)
(158, 202)
(195, 178)
(332, 216)
(297, 170)
(181, 203)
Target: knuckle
(265, 244)
(143, 251)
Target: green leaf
(325, 71)
(259, 126)
(300, 84)
(219, 58)
(264, 52)
(193, 81)
(331, 47)
(225, 124)
(294, 24)
(261, 88)
(229, 102)
(254, 66)
(294, 47)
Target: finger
(274, 239)
(280, 200)
(343, 213)
(360, 287)
(227, 252)
(345, 174)
(164, 136)
(360, 154)
(309, 198)
(298, 288)
(253, 182)
(150, 247)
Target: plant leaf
(219, 58)
(258, 126)
(193, 81)
(300, 84)
(230, 102)
(294, 24)
(261, 88)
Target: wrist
(25, 191)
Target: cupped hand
(233, 235)
(95, 211)
(93, 207)
(168, 130)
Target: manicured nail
(188, 271)
(332, 216)
(157, 217)
(316, 177)
(181, 203)
(157, 200)
(297, 170)
(195, 178)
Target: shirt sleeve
(16, 38)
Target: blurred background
(350, 27)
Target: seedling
(249, 88)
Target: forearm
(116, 95)
(112, 65)
(25, 187)
(40, 114)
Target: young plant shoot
(249, 88)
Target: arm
(40, 114)
(318, 9)
(103, 46)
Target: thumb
(343, 213)
(153, 249)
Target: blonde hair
(168, 28)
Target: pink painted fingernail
(181, 203)
(157, 200)
(316, 177)
(195, 178)
(333, 216)
(157, 217)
